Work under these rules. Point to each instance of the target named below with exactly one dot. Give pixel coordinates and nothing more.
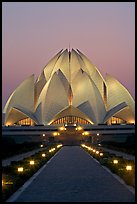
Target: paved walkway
(6, 162)
(124, 155)
(72, 175)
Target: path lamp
(20, 169)
(56, 133)
(85, 133)
(79, 128)
(83, 145)
(41, 145)
(89, 148)
(97, 152)
(62, 128)
(115, 161)
(101, 154)
(128, 168)
(31, 162)
(51, 150)
(59, 145)
(43, 155)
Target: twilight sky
(33, 32)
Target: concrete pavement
(6, 162)
(72, 175)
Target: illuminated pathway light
(88, 148)
(59, 145)
(83, 145)
(20, 169)
(115, 161)
(62, 128)
(31, 162)
(128, 168)
(51, 150)
(85, 133)
(55, 133)
(79, 128)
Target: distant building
(70, 89)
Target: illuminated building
(70, 89)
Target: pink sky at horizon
(33, 32)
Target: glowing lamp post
(79, 128)
(115, 161)
(20, 169)
(101, 154)
(51, 150)
(83, 145)
(31, 162)
(128, 168)
(43, 155)
(89, 148)
(85, 133)
(56, 133)
(59, 145)
(62, 128)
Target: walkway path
(72, 175)
(124, 155)
(6, 162)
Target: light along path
(6, 162)
(72, 175)
(123, 154)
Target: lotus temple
(69, 90)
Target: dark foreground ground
(74, 176)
